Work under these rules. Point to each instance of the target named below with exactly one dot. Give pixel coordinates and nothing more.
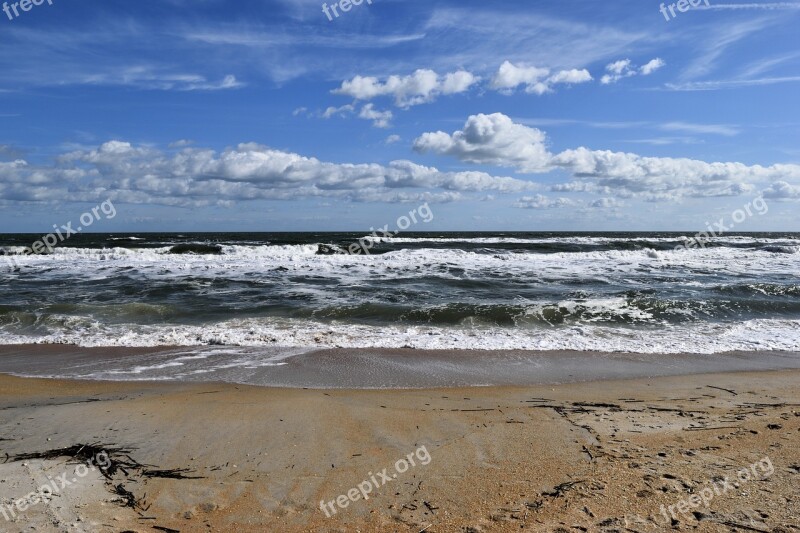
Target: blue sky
(208, 115)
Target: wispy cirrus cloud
(768, 6)
(719, 41)
(148, 78)
(715, 85)
(717, 129)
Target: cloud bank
(497, 140)
(199, 176)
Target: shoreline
(601, 455)
(369, 369)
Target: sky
(562, 115)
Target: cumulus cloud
(536, 80)
(201, 176)
(337, 111)
(496, 139)
(625, 69)
(617, 70)
(491, 139)
(651, 66)
(380, 119)
(780, 190)
(458, 82)
(510, 76)
(421, 87)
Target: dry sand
(602, 456)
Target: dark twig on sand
(430, 507)
(722, 388)
(109, 460)
(176, 473)
(562, 489)
(129, 500)
(742, 526)
(167, 529)
(709, 429)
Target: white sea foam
(705, 337)
(304, 256)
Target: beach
(602, 455)
(442, 382)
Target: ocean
(609, 292)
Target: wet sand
(596, 456)
(369, 368)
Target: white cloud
(781, 190)
(458, 82)
(618, 67)
(651, 66)
(421, 87)
(493, 139)
(510, 76)
(570, 76)
(536, 80)
(391, 139)
(624, 68)
(146, 77)
(769, 6)
(714, 85)
(337, 111)
(716, 129)
(617, 70)
(380, 119)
